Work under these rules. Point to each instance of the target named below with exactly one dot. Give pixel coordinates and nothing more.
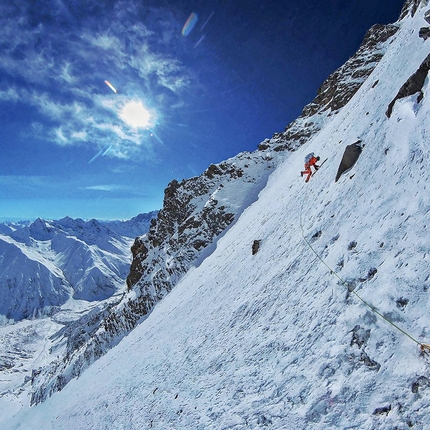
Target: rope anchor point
(425, 347)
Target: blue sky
(72, 146)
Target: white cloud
(66, 74)
(79, 135)
(10, 94)
(60, 74)
(108, 188)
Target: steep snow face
(279, 339)
(195, 214)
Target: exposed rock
(370, 274)
(360, 336)
(424, 33)
(402, 303)
(352, 245)
(317, 235)
(383, 410)
(335, 92)
(421, 383)
(368, 362)
(412, 86)
(255, 246)
(411, 6)
(349, 158)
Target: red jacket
(312, 161)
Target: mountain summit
(284, 304)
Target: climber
(310, 161)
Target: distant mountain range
(46, 263)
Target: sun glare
(135, 114)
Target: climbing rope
(423, 346)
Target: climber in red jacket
(310, 161)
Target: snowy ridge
(274, 340)
(134, 227)
(195, 213)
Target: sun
(134, 114)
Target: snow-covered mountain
(48, 262)
(45, 263)
(133, 227)
(320, 327)
(58, 272)
(197, 211)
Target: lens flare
(189, 25)
(111, 87)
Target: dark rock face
(192, 216)
(255, 246)
(335, 92)
(412, 86)
(424, 33)
(410, 7)
(421, 383)
(349, 158)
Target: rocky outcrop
(349, 158)
(195, 213)
(412, 86)
(335, 92)
(424, 33)
(192, 216)
(411, 6)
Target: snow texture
(278, 339)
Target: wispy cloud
(55, 60)
(114, 190)
(109, 188)
(28, 187)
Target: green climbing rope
(423, 346)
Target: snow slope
(276, 340)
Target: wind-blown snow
(275, 340)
